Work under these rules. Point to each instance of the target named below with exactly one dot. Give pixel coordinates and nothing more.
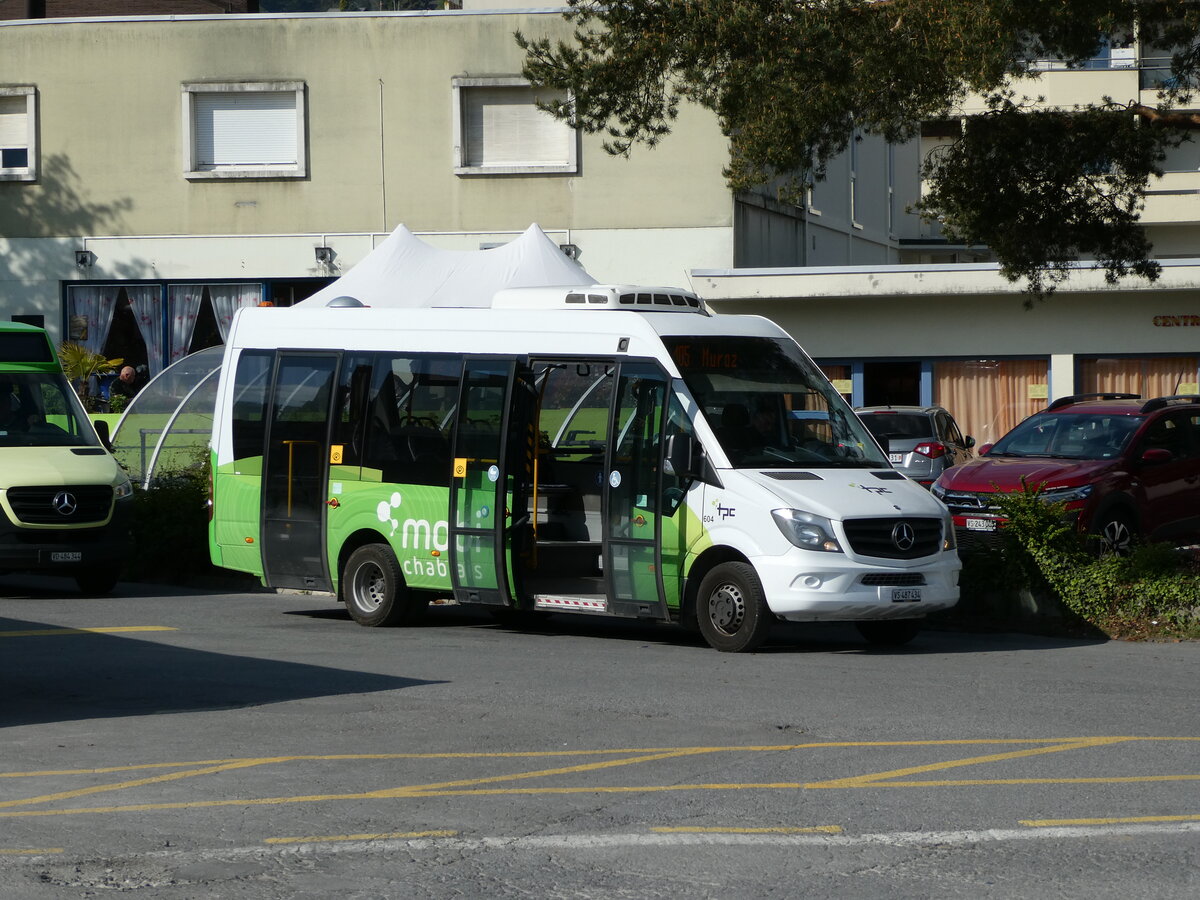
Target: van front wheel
(731, 608)
(372, 587)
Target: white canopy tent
(167, 426)
(406, 272)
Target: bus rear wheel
(731, 608)
(373, 589)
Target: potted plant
(81, 365)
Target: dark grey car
(921, 441)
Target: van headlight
(949, 539)
(123, 489)
(806, 530)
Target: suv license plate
(66, 556)
(906, 595)
(981, 524)
(895, 458)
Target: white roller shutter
(245, 128)
(14, 123)
(503, 127)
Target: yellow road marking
(388, 835)
(872, 779)
(626, 757)
(116, 629)
(34, 851)
(1046, 823)
(778, 829)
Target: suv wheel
(1114, 533)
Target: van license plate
(981, 524)
(906, 595)
(66, 556)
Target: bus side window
(250, 403)
(407, 414)
(675, 484)
(352, 394)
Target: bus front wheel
(373, 588)
(731, 608)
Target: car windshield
(41, 410)
(898, 426)
(770, 406)
(1068, 436)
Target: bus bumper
(811, 587)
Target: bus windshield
(41, 410)
(769, 406)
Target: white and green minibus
(65, 503)
(608, 450)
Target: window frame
(28, 172)
(461, 83)
(189, 90)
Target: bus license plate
(981, 524)
(906, 595)
(66, 556)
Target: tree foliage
(790, 83)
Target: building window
(499, 130)
(18, 131)
(244, 130)
(1160, 376)
(989, 396)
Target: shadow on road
(54, 677)
(786, 637)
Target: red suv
(1125, 467)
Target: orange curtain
(987, 396)
(1155, 377)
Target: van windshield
(39, 409)
(770, 406)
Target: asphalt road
(181, 743)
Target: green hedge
(1152, 592)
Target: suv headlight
(806, 530)
(1067, 495)
(937, 490)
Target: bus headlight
(806, 530)
(949, 539)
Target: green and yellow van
(64, 499)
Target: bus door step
(571, 603)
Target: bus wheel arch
(372, 586)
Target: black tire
(372, 587)
(895, 633)
(1113, 533)
(98, 580)
(731, 608)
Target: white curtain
(228, 299)
(183, 303)
(91, 315)
(146, 302)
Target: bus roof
(579, 330)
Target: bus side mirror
(684, 457)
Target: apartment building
(158, 172)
